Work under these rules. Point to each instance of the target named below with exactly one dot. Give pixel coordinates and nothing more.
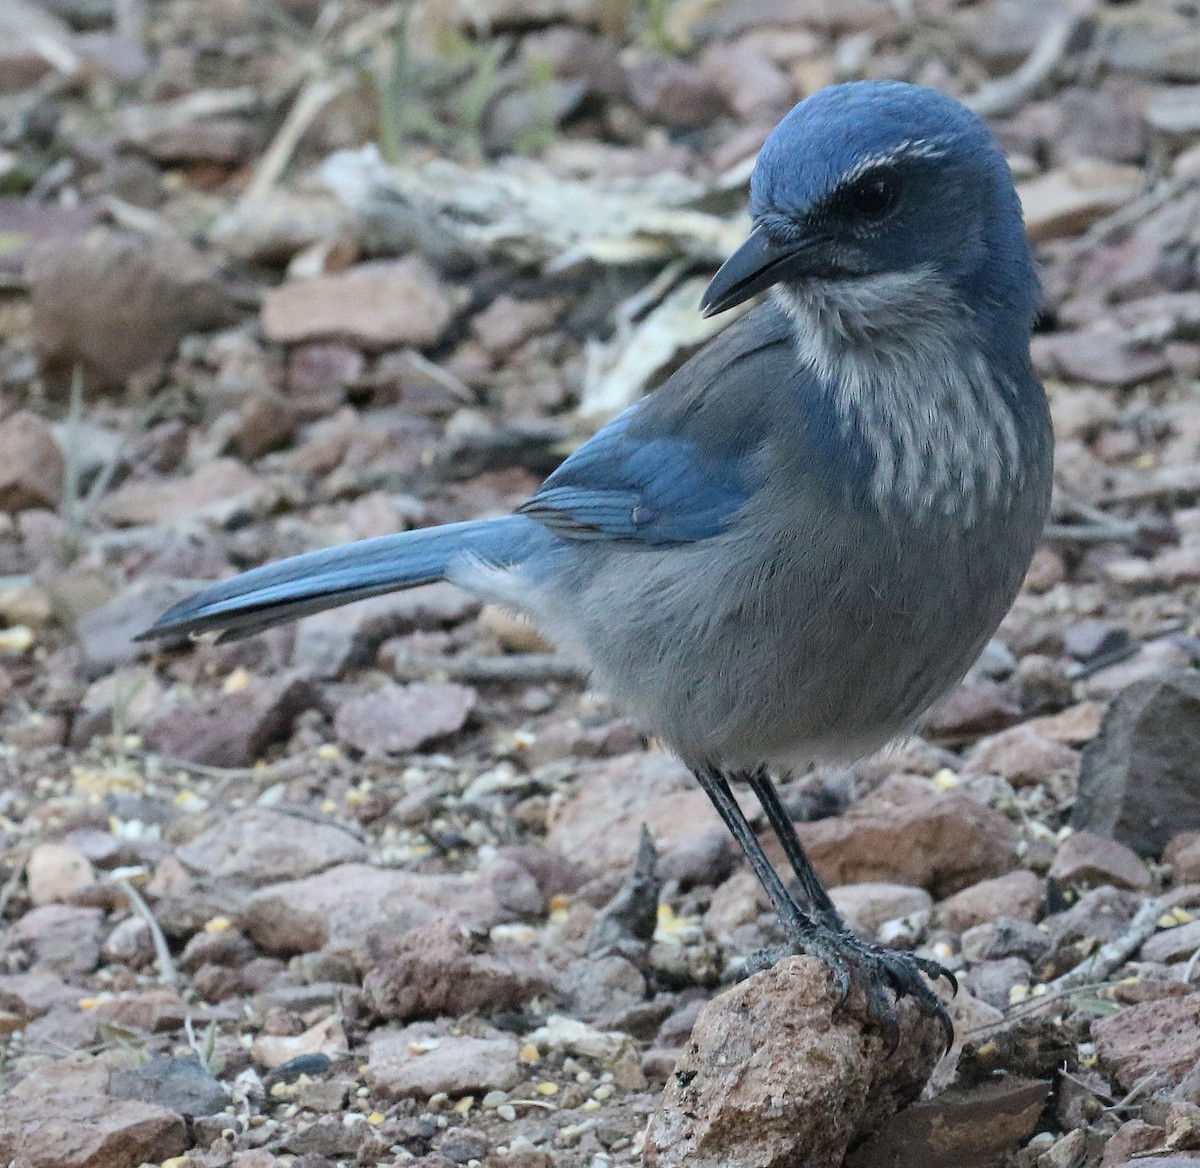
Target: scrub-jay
(790, 549)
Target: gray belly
(741, 651)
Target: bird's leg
(805, 933)
(881, 965)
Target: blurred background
(277, 274)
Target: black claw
(852, 960)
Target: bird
(785, 553)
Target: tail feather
(309, 583)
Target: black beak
(756, 265)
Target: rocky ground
(369, 889)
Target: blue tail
(295, 587)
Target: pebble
(31, 463)
(381, 305)
(762, 1057)
(455, 1066)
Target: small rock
(323, 1038)
(1088, 640)
(379, 305)
(1066, 202)
(31, 463)
(435, 973)
(112, 303)
(1086, 859)
(1137, 778)
(463, 1144)
(257, 846)
(130, 943)
(1162, 1036)
(1022, 756)
(1177, 944)
(327, 1140)
(55, 871)
(106, 634)
(231, 729)
(973, 709)
(407, 1065)
(177, 1084)
(328, 643)
(87, 1131)
(150, 1011)
(1102, 356)
(1020, 895)
(992, 981)
(1183, 853)
(602, 816)
(219, 491)
(31, 995)
(342, 908)
(964, 1127)
(908, 832)
(397, 718)
(676, 92)
(870, 904)
(1152, 660)
(762, 1062)
(507, 323)
(62, 937)
(1098, 915)
(1132, 1137)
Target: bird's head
(874, 198)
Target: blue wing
(678, 465)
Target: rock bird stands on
(804, 537)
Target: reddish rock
(258, 845)
(33, 994)
(1020, 895)
(87, 1131)
(601, 818)
(396, 718)
(909, 832)
(217, 491)
(507, 323)
(762, 1065)
(1088, 860)
(973, 709)
(871, 904)
(62, 937)
(31, 463)
(409, 1065)
(434, 973)
(231, 729)
(1132, 1137)
(151, 1011)
(1022, 755)
(674, 91)
(343, 908)
(380, 305)
(1162, 1035)
(113, 303)
(965, 1127)
(1067, 201)
(1183, 853)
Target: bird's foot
(871, 968)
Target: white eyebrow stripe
(912, 148)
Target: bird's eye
(873, 198)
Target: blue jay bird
(806, 535)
